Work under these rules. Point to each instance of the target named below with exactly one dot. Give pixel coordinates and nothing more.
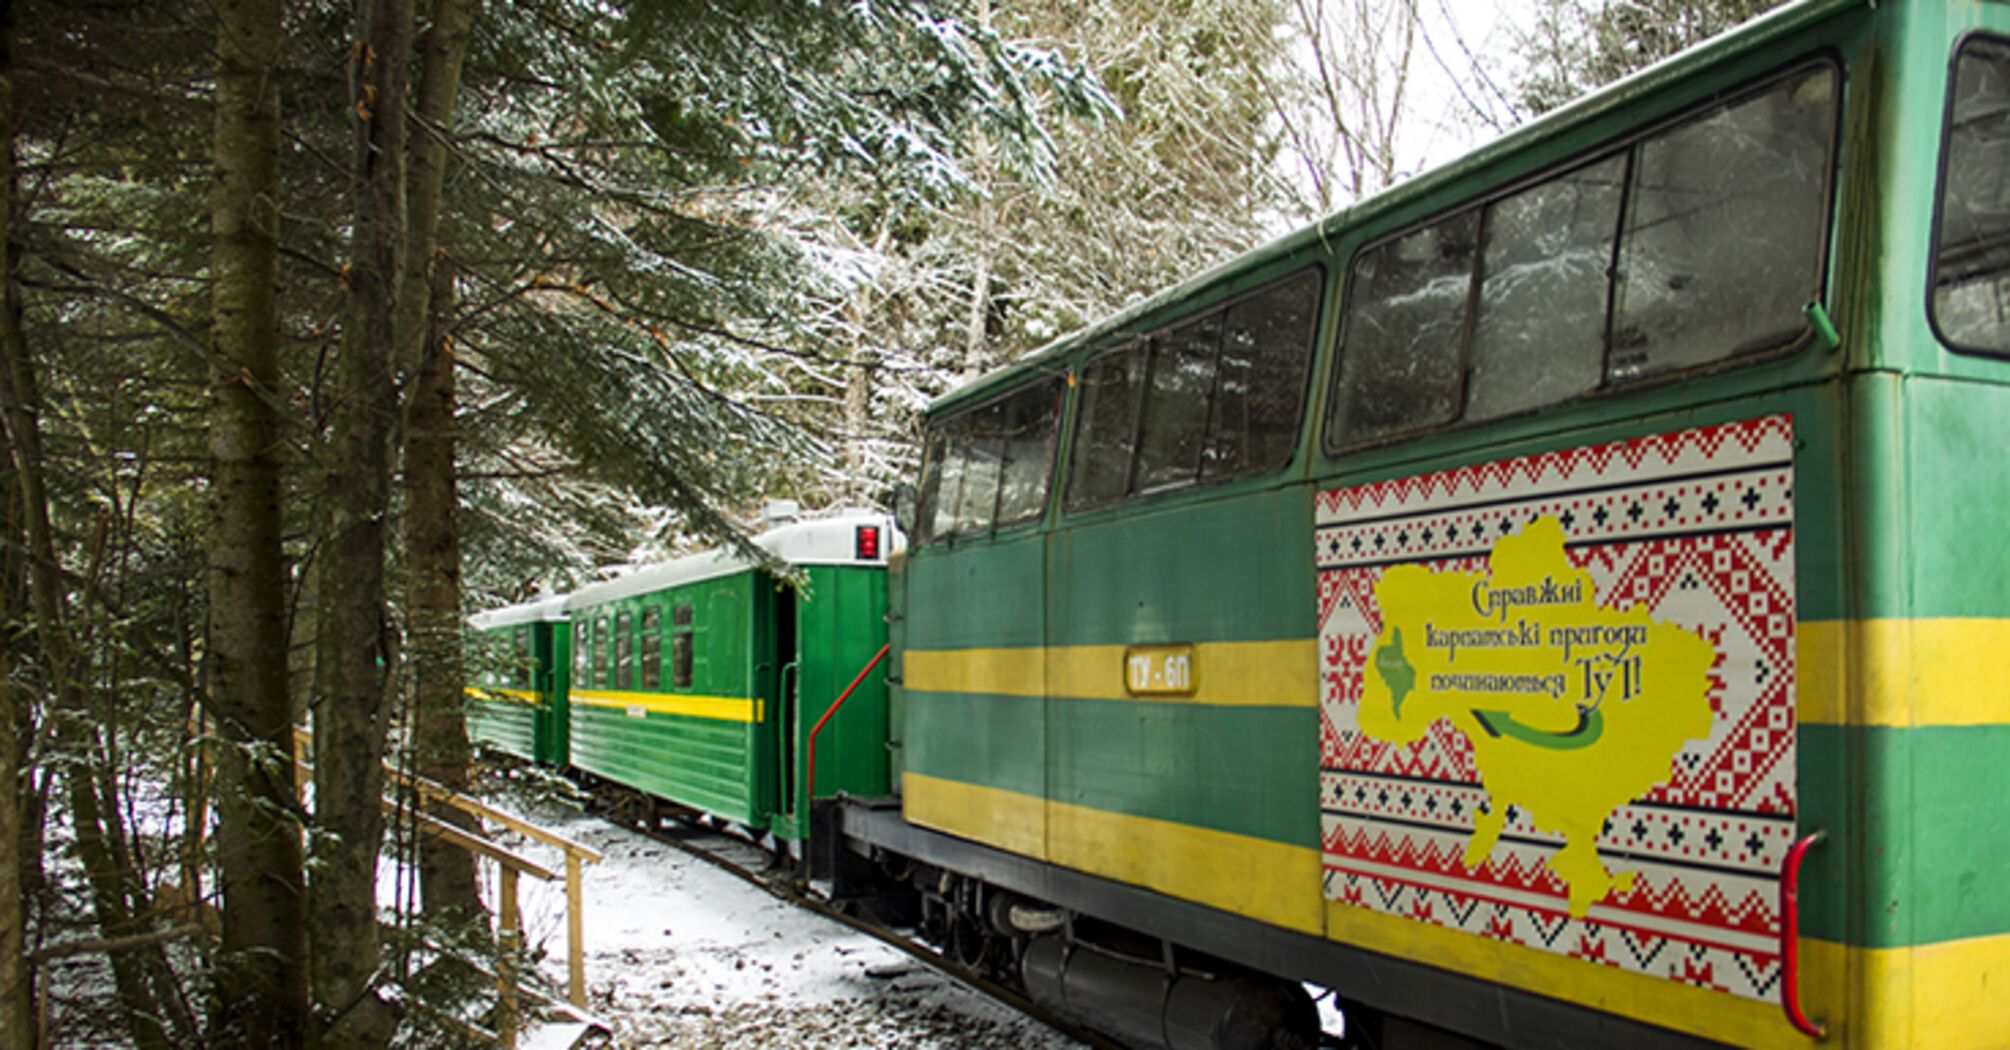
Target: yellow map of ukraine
(1573, 710)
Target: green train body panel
(1015, 724)
(554, 717)
(508, 726)
(714, 761)
(840, 627)
(517, 705)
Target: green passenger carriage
(518, 706)
(1491, 602)
(689, 678)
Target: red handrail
(811, 778)
(1790, 937)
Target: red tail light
(867, 543)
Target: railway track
(752, 863)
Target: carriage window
(1180, 382)
(1266, 346)
(1027, 427)
(1401, 367)
(521, 664)
(1725, 230)
(1971, 269)
(579, 651)
(680, 646)
(600, 652)
(652, 648)
(624, 651)
(1105, 426)
(1539, 327)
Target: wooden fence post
(575, 931)
(507, 936)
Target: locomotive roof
(818, 541)
(538, 610)
(1553, 126)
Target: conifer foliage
(293, 291)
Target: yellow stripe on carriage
(1936, 671)
(1268, 881)
(498, 695)
(1948, 994)
(717, 708)
(1005, 819)
(1225, 674)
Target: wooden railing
(511, 865)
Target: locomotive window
(1218, 395)
(1027, 424)
(1400, 368)
(1266, 347)
(1179, 383)
(579, 651)
(680, 647)
(1539, 328)
(989, 466)
(979, 442)
(624, 651)
(1725, 231)
(929, 499)
(1692, 245)
(652, 648)
(1971, 266)
(599, 652)
(1105, 427)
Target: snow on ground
(683, 954)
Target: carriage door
(788, 688)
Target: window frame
(649, 662)
(624, 649)
(1745, 90)
(1972, 37)
(683, 645)
(1145, 341)
(601, 674)
(1058, 383)
(523, 658)
(1139, 342)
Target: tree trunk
(74, 731)
(432, 536)
(18, 1030)
(261, 982)
(433, 559)
(352, 653)
(112, 888)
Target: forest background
(324, 324)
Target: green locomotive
(1560, 601)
